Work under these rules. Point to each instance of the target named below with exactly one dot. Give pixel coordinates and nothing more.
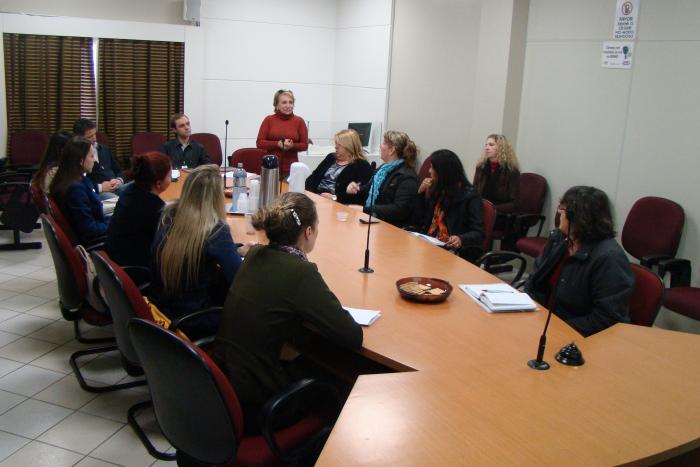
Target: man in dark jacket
(106, 174)
(183, 151)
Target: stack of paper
(429, 239)
(499, 297)
(363, 317)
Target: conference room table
(457, 390)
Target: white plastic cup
(342, 215)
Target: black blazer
(106, 168)
(359, 171)
(193, 156)
(397, 196)
(463, 215)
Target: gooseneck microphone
(366, 269)
(538, 363)
(225, 152)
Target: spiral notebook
(499, 297)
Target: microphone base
(366, 270)
(535, 365)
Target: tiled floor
(46, 419)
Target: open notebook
(499, 297)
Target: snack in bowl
(423, 289)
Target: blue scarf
(379, 179)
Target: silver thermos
(269, 181)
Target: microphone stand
(366, 269)
(225, 153)
(538, 363)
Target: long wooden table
(472, 400)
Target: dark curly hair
(588, 213)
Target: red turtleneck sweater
(279, 126)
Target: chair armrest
(183, 319)
(493, 258)
(96, 246)
(679, 269)
(141, 275)
(650, 260)
(523, 222)
(273, 406)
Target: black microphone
(225, 152)
(366, 268)
(538, 363)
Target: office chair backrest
(102, 138)
(58, 217)
(250, 157)
(424, 171)
(70, 271)
(194, 403)
(124, 299)
(653, 227)
(212, 144)
(647, 296)
(27, 147)
(489, 212)
(533, 189)
(145, 141)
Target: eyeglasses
(561, 208)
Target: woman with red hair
(136, 215)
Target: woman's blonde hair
(350, 140)
(280, 93)
(405, 147)
(192, 219)
(505, 152)
(286, 218)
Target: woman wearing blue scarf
(392, 192)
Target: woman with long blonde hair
(347, 164)
(194, 258)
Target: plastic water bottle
(239, 188)
(244, 207)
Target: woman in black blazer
(347, 164)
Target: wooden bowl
(423, 289)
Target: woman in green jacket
(274, 292)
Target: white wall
(154, 11)
(632, 133)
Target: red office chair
(28, 146)
(423, 173)
(646, 297)
(489, 212)
(212, 144)
(199, 413)
(250, 157)
(61, 220)
(146, 141)
(680, 297)
(17, 210)
(653, 229)
(102, 138)
(534, 246)
(40, 199)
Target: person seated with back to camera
(49, 162)
(347, 164)
(391, 193)
(75, 193)
(449, 208)
(583, 275)
(135, 219)
(193, 257)
(106, 173)
(276, 290)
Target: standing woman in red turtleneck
(283, 133)
(497, 178)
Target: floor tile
(57, 360)
(29, 380)
(92, 462)
(6, 294)
(43, 260)
(8, 366)
(21, 284)
(9, 400)
(6, 277)
(10, 443)
(21, 269)
(37, 454)
(7, 314)
(46, 290)
(44, 274)
(105, 368)
(7, 337)
(58, 332)
(24, 324)
(66, 393)
(31, 418)
(124, 448)
(22, 302)
(80, 432)
(49, 310)
(26, 349)
(114, 405)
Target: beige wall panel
(669, 20)
(556, 20)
